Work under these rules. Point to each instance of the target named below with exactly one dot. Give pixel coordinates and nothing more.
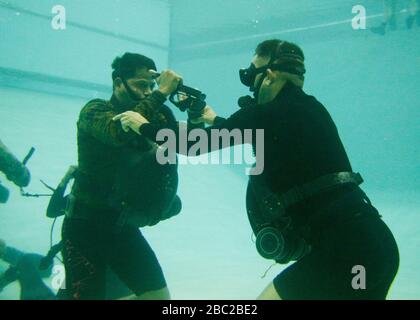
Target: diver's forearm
(183, 139)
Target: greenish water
(369, 84)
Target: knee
(161, 294)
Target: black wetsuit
(301, 144)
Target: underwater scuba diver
(25, 268)
(307, 205)
(14, 170)
(97, 232)
(390, 16)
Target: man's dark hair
(125, 67)
(276, 48)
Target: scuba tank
(145, 191)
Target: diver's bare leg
(269, 293)
(161, 294)
(412, 13)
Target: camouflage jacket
(101, 141)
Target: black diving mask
(249, 75)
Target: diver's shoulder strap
(320, 185)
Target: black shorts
(358, 237)
(90, 248)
